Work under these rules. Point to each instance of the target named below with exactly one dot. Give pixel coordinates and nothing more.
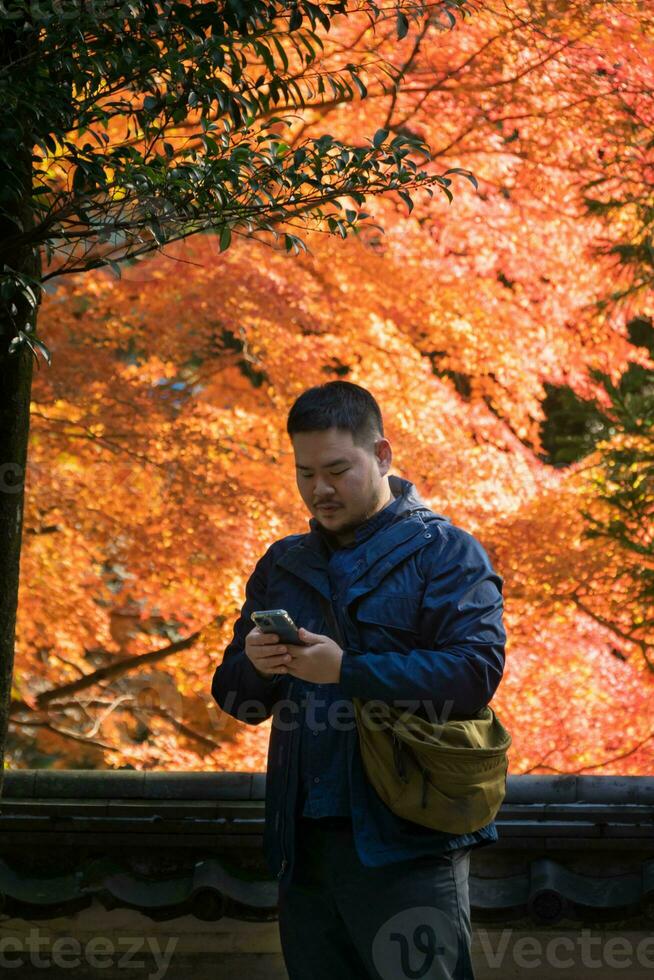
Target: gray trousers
(406, 921)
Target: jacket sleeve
(460, 668)
(237, 686)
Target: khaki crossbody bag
(450, 775)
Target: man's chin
(334, 521)
(342, 530)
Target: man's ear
(384, 454)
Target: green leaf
(407, 199)
(294, 244)
(225, 238)
(464, 173)
(30, 295)
(79, 180)
(157, 231)
(379, 138)
(363, 91)
(266, 54)
(44, 350)
(282, 52)
(295, 20)
(402, 25)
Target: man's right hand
(267, 655)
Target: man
(363, 893)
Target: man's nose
(322, 488)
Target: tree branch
(121, 667)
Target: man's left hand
(317, 659)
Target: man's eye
(338, 472)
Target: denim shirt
(324, 734)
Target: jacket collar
(391, 534)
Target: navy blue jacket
(421, 614)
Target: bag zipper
(398, 758)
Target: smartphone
(277, 621)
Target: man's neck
(349, 537)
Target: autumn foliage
(160, 469)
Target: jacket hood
(411, 501)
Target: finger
(298, 649)
(263, 639)
(307, 637)
(272, 663)
(274, 651)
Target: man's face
(341, 483)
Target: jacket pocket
(391, 611)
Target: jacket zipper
(284, 863)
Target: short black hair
(337, 404)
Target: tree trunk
(15, 384)
(16, 373)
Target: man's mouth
(328, 507)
